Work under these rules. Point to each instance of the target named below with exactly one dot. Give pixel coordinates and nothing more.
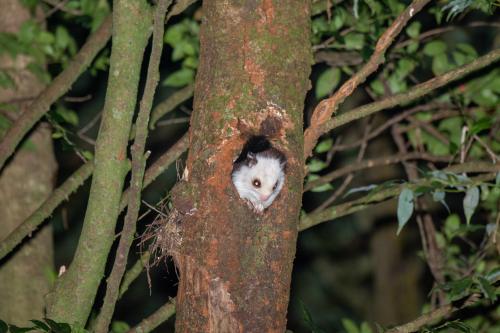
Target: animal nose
(264, 197)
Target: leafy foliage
(46, 325)
(183, 38)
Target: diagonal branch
(414, 93)
(32, 222)
(371, 163)
(432, 316)
(334, 212)
(325, 109)
(159, 316)
(61, 84)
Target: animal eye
(256, 183)
(275, 186)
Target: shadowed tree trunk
(25, 182)
(235, 265)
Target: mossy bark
(72, 299)
(25, 182)
(235, 265)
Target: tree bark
(235, 265)
(25, 182)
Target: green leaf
(459, 288)
(63, 38)
(29, 30)
(494, 275)
(321, 188)
(440, 64)
(41, 325)
(378, 87)
(327, 82)
(339, 19)
(316, 165)
(119, 327)
(16, 329)
(324, 146)
(182, 49)
(87, 155)
(179, 78)
(58, 327)
(375, 6)
(413, 29)
(30, 4)
(350, 326)
(467, 49)
(354, 41)
(438, 196)
(68, 116)
(405, 67)
(174, 34)
(471, 201)
(57, 135)
(3, 327)
(412, 47)
(405, 207)
(45, 37)
(190, 62)
(451, 226)
(487, 289)
(434, 48)
(365, 328)
(480, 125)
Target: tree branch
(368, 200)
(74, 293)
(414, 93)
(434, 315)
(371, 163)
(138, 166)
(61, 84)
(32, 222)
(323, 112)
(133, 273)
(150, 323)
(170, 104)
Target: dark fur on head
(257, 145)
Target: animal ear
(251, 159)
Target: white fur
(268, 171)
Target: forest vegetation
(120, 122)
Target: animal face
(260, 180)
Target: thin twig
(350, 176)
(393, 120)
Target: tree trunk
(25, 182)
(235, 265)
